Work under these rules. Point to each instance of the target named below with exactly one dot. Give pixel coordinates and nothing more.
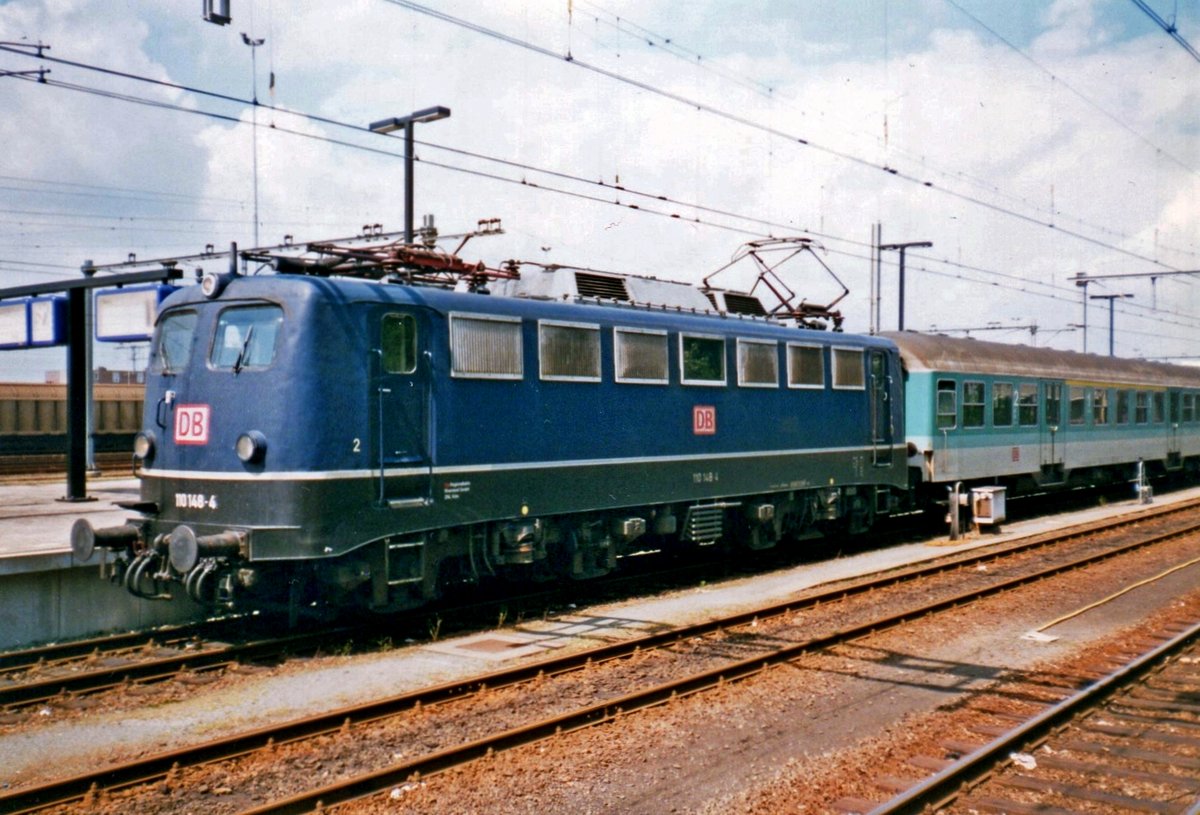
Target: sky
(1029, 142)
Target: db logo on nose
(704, 420)
(191, 424)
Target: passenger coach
(1034, 418)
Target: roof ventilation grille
(744, 304)
(601, 287)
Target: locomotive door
(881, 412)
(403, 414)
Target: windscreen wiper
(240, 362)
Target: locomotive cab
(264, 415)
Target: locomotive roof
(935, 352)
(341, 291)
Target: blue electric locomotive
(314, 438)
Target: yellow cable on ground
(1112, 597)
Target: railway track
(693, 659)
(22, 466)
(116, 662)
(1127, 742)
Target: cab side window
(398, 339)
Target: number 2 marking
(356, 445)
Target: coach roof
(939, 353)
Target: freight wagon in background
(33, 418)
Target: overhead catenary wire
(1114, 118)
(1170, 28)
(669, 45)
(538, 186)
(524, 182)
(336, 123)
(738, 119)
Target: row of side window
(491, 347)
(1019, 401)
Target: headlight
(212, 284)
(143, 445)
(251, 447)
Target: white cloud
(965, 113)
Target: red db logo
(191, 424)
(704, 420)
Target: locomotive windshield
(175, 337)
(246, 337)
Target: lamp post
(888, 247)
(254, 43)
(1112, 299)
(406, 123)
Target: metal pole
(1111, 311)
(76, 396)
(901, 247)
(1084, 286)
(406, 123)
(876, 239)
(254, 43)
(408, 184)
(89, 374)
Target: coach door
(1053, 435)
(881, 408)
(1174, 456)
(403, 414)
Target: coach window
(1100, 406)
(398, 338)
(806, 366)
(1174, 402)
(569, 351)
(485, 347)
(757, 364)
(947, 407)
(1142, 404)
(1123, 398)
(972, 404)
(702, 360)
(1189, 408)
(641, 356)
(1002, 404)
(175, 337)
(1027, 404)
(1077, 398)
(246, 337)
(848, 368)
(1158, 402)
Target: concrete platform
(35, 521)
(45, 594)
